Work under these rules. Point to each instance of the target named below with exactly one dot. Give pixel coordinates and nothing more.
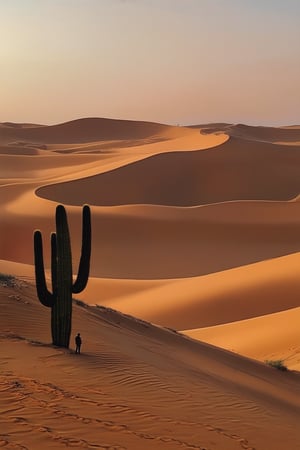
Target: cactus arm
(63, 244)
(44, 295)
(54, 263)
(84, 264)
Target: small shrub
(278, 364)
(7, 280)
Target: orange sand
(194, 229)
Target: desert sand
(195, 247)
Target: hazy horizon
(254, 124)
(175, 62)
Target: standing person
(78, 342)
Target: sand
(134, 386)
(196, 232)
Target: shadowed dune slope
(235, 170)
(18, 150)
(286, 134)
(271, 134)
(135, 386)
(153, 242)
(214, 125)
(19, 125)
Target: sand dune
(135, 386)
(266, 134)
(194, 229)
(270, 337)
(85, 130)
(240, 293)
(138, 242)
(236, 170)
(284, 134)
(246, 292)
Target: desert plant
(7, 280)
(60, 299)
(277, 364)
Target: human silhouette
(78, 342)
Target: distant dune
(284, 134)
(267, 134)
(83, 130)
(194, 229)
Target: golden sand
(194, 229)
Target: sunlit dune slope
(235, 170)
(270, 337)
(227, 296)
(135, 386)
(219, 298)
(255, 291)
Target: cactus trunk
(61, 315)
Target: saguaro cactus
(60, 299)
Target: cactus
(60, 299)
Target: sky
(170, 61)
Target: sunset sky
(171, 61)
